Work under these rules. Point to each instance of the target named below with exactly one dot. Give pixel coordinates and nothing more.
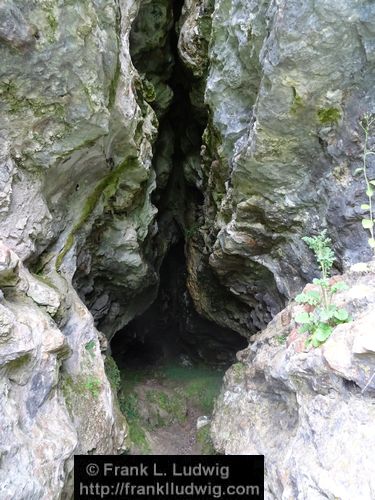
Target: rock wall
(55, 398)
(75, 180)
(243, 143)
(285, 87)
(309, 411)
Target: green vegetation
(113, 373)
(329, 116)
(19, 103)
(52, 22)
(173, 393)
(82, 386)
(200, 384)
(129, 406)
(93, 385)
(148, 90)
(174, 405)
(324, 316)
(297, 102)
(17, 363)
(90, 347)
(205, 441)
(106, 188)
(281, 339)
(137, 436)
(191, 231)
(368, 222)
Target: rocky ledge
(310, 411)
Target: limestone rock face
(310, 412)
(286, 85)
(89, 145)
(75, 186)
(75, 150)
(52, 403)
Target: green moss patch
(297, 104)
(328, 116)
(205, 441)
(18, 103)
(200, 384)
(137, 436)
(168, 400)
(113, 373)
(104, 190)
(18, 363)
(84, 386)
(173, 406)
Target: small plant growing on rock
(93, 385)
(368, 222)
(320, 322)
(90, 346)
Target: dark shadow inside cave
(170, 330)
(171, 358)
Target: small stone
(203, 421)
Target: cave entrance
(171, 359)
(171, 363)
(170, 330)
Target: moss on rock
(328, 116)
(105, 189)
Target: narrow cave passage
(171, 330)
(172, 362)
(171, 359)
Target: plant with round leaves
(320, 322)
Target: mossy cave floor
(162, 405)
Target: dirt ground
(162, 408)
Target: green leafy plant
(90, 346)
(281, 339)
(368, 222)
(325, 316)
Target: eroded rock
(309, 411)
(52, 404)
(281, 145)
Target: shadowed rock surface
(218, 131)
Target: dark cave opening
(171, 330)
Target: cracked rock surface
(309, 411)
(128, 126)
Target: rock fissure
(160, 162)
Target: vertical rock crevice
(175, 93)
